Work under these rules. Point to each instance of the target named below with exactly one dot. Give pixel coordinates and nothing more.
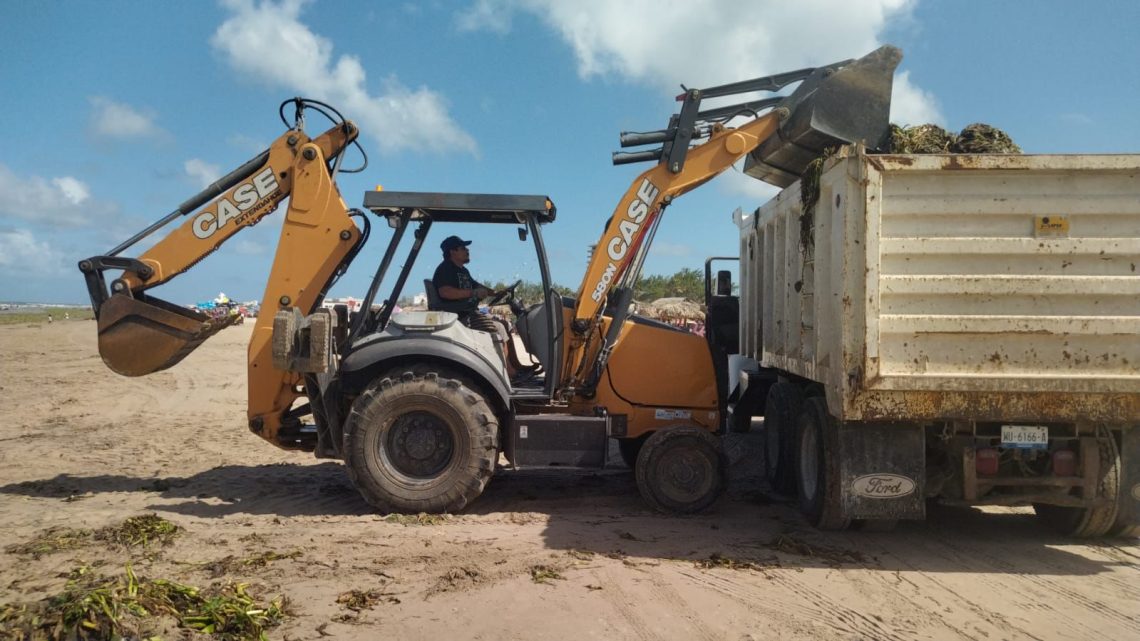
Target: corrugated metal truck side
(965, 327)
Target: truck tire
(1125, 530)
(1127, 523)
(681, 470)
(817, 467)
(781, 409)
(421, 441)
(1090, 522)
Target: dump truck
(953, 327)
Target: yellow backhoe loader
(419, 406)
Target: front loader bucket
(830, 108)
(139, 336)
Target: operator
(460, 293)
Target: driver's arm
(487, 291)
(448, 292)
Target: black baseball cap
(452, 242)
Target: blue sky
(117, 111)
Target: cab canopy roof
(461, 208)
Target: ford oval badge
(882, 486)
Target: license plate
(1026, 437)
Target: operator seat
(434, 302)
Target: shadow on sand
(602, 512)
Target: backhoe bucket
(139, 336)
(830, 108)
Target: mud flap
(1129, 503)
(882, 471)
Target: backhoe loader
(419, 406)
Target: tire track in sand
(798, 606)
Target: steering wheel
(506, 294)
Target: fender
(362, 365)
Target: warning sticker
(1051, 226)
(671, 415)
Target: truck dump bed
(980, 287)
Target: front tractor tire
(681, 470)
(421, 441)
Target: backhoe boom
(139, 334)
(628, 235)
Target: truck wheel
(781, 410)
(629, 448)
(1090, 522)
(1125, 529)
(681, 470)
(817, 468)
(421, 441)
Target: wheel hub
(420, 444)
(685, 474)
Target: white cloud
(73, 190)
(736, 182)
(485, 15)
(708, 42)
(63, 200)
(110, 119)
(911, 105)
(268, 41)
(20, 249)
(202, 172)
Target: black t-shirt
(448, 273)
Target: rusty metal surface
(992, 406)
(973, 287)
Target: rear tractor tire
(681, 470)
(421, 441)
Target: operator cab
(537, 329)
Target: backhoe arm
(139, 334)
(628, 235)
(247, 195)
